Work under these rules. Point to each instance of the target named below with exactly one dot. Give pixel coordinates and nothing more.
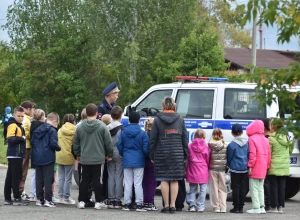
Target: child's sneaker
(192, 209)
(55, 200)
(81, 205)
(39, 203)
(50, 204)
(118, 204)
(18, 202)
(32, 199)
(139, 208)
(24, 196)
(150, 207)
(69, 201)
(111, 204)
(126, 207)
(100, 205)
(280, 211)
(8, 202)
(254, 211)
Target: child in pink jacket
(259, 162)
(197, 171)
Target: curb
(3, 165)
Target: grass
(3, 147)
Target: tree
(286, 15)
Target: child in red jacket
(259, 162)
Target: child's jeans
(44, 178)
(149, 182)
(115, 179)
(65, 173)
(133, 176)
(191, 196)
(257, 193)
(32, 184)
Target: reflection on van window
(151, 105)
(242, 104)
(195, 103)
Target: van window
(151, 105)
(285, 112)
(195, 103)
(242, 104)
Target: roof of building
(271, 59)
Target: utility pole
(260, 36)
(253, 51)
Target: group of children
(124, 151)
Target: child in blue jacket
(44, 143)
(237, 159)
(133, 146)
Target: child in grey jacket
(114, 167)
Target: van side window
(195, 103)
(151, 105)
(284, 111)
(242, 104)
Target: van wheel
(292, 187)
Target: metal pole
(260, 36)
(253, 52)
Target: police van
(209, 103)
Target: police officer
(111, 93)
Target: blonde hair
(106, 119)
(53, 116)
(83, 114)
(217, 134)
(199, 133)
(38, 114)
(277, 123)
(168, 103)
(148, 124)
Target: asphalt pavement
(71, 212)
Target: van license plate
(293, 160)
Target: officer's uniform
(104, 107)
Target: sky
(269, 33)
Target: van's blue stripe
(204, 124)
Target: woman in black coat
(168, 151)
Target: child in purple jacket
(197, 171)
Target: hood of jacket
(168, 118)
(43, 130)
(217, 146)
(12, 120)
(68, 129)
(256, 127)
(114, 127)
(241, 141)
(132, 130)
(198, 145)
(90, 125)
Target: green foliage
(279, 85)
(64, 53)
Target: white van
(208, 103)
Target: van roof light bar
(200, 79)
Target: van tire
(292, 187)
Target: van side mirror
(129, 109)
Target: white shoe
(32, 199)
(253, 211)
(81, 205)
(100, 205)
(262, 211)
(39, 203)
(69, 201)
(49, 204)
(223, 210)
